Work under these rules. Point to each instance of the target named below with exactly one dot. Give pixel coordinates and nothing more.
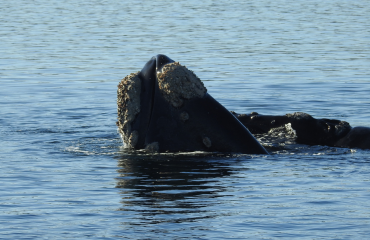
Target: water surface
(66, 175)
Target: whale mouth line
(151, 105)
(149, 90)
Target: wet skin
(199, 124)
(203, 124)
(310, 131)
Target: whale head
(165, 107)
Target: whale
(308, 130)
(165, 107)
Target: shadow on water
(171, 188)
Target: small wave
(74, 149)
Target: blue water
(65, 175)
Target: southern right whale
(166, 108)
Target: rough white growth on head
(299, 115)
(128, 101)
(176, 83)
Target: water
(65, 174)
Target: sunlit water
(64, 173)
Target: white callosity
(128, 101)
(177, 83)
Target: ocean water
(64, 172)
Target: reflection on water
(159, 185)
(193, 196)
